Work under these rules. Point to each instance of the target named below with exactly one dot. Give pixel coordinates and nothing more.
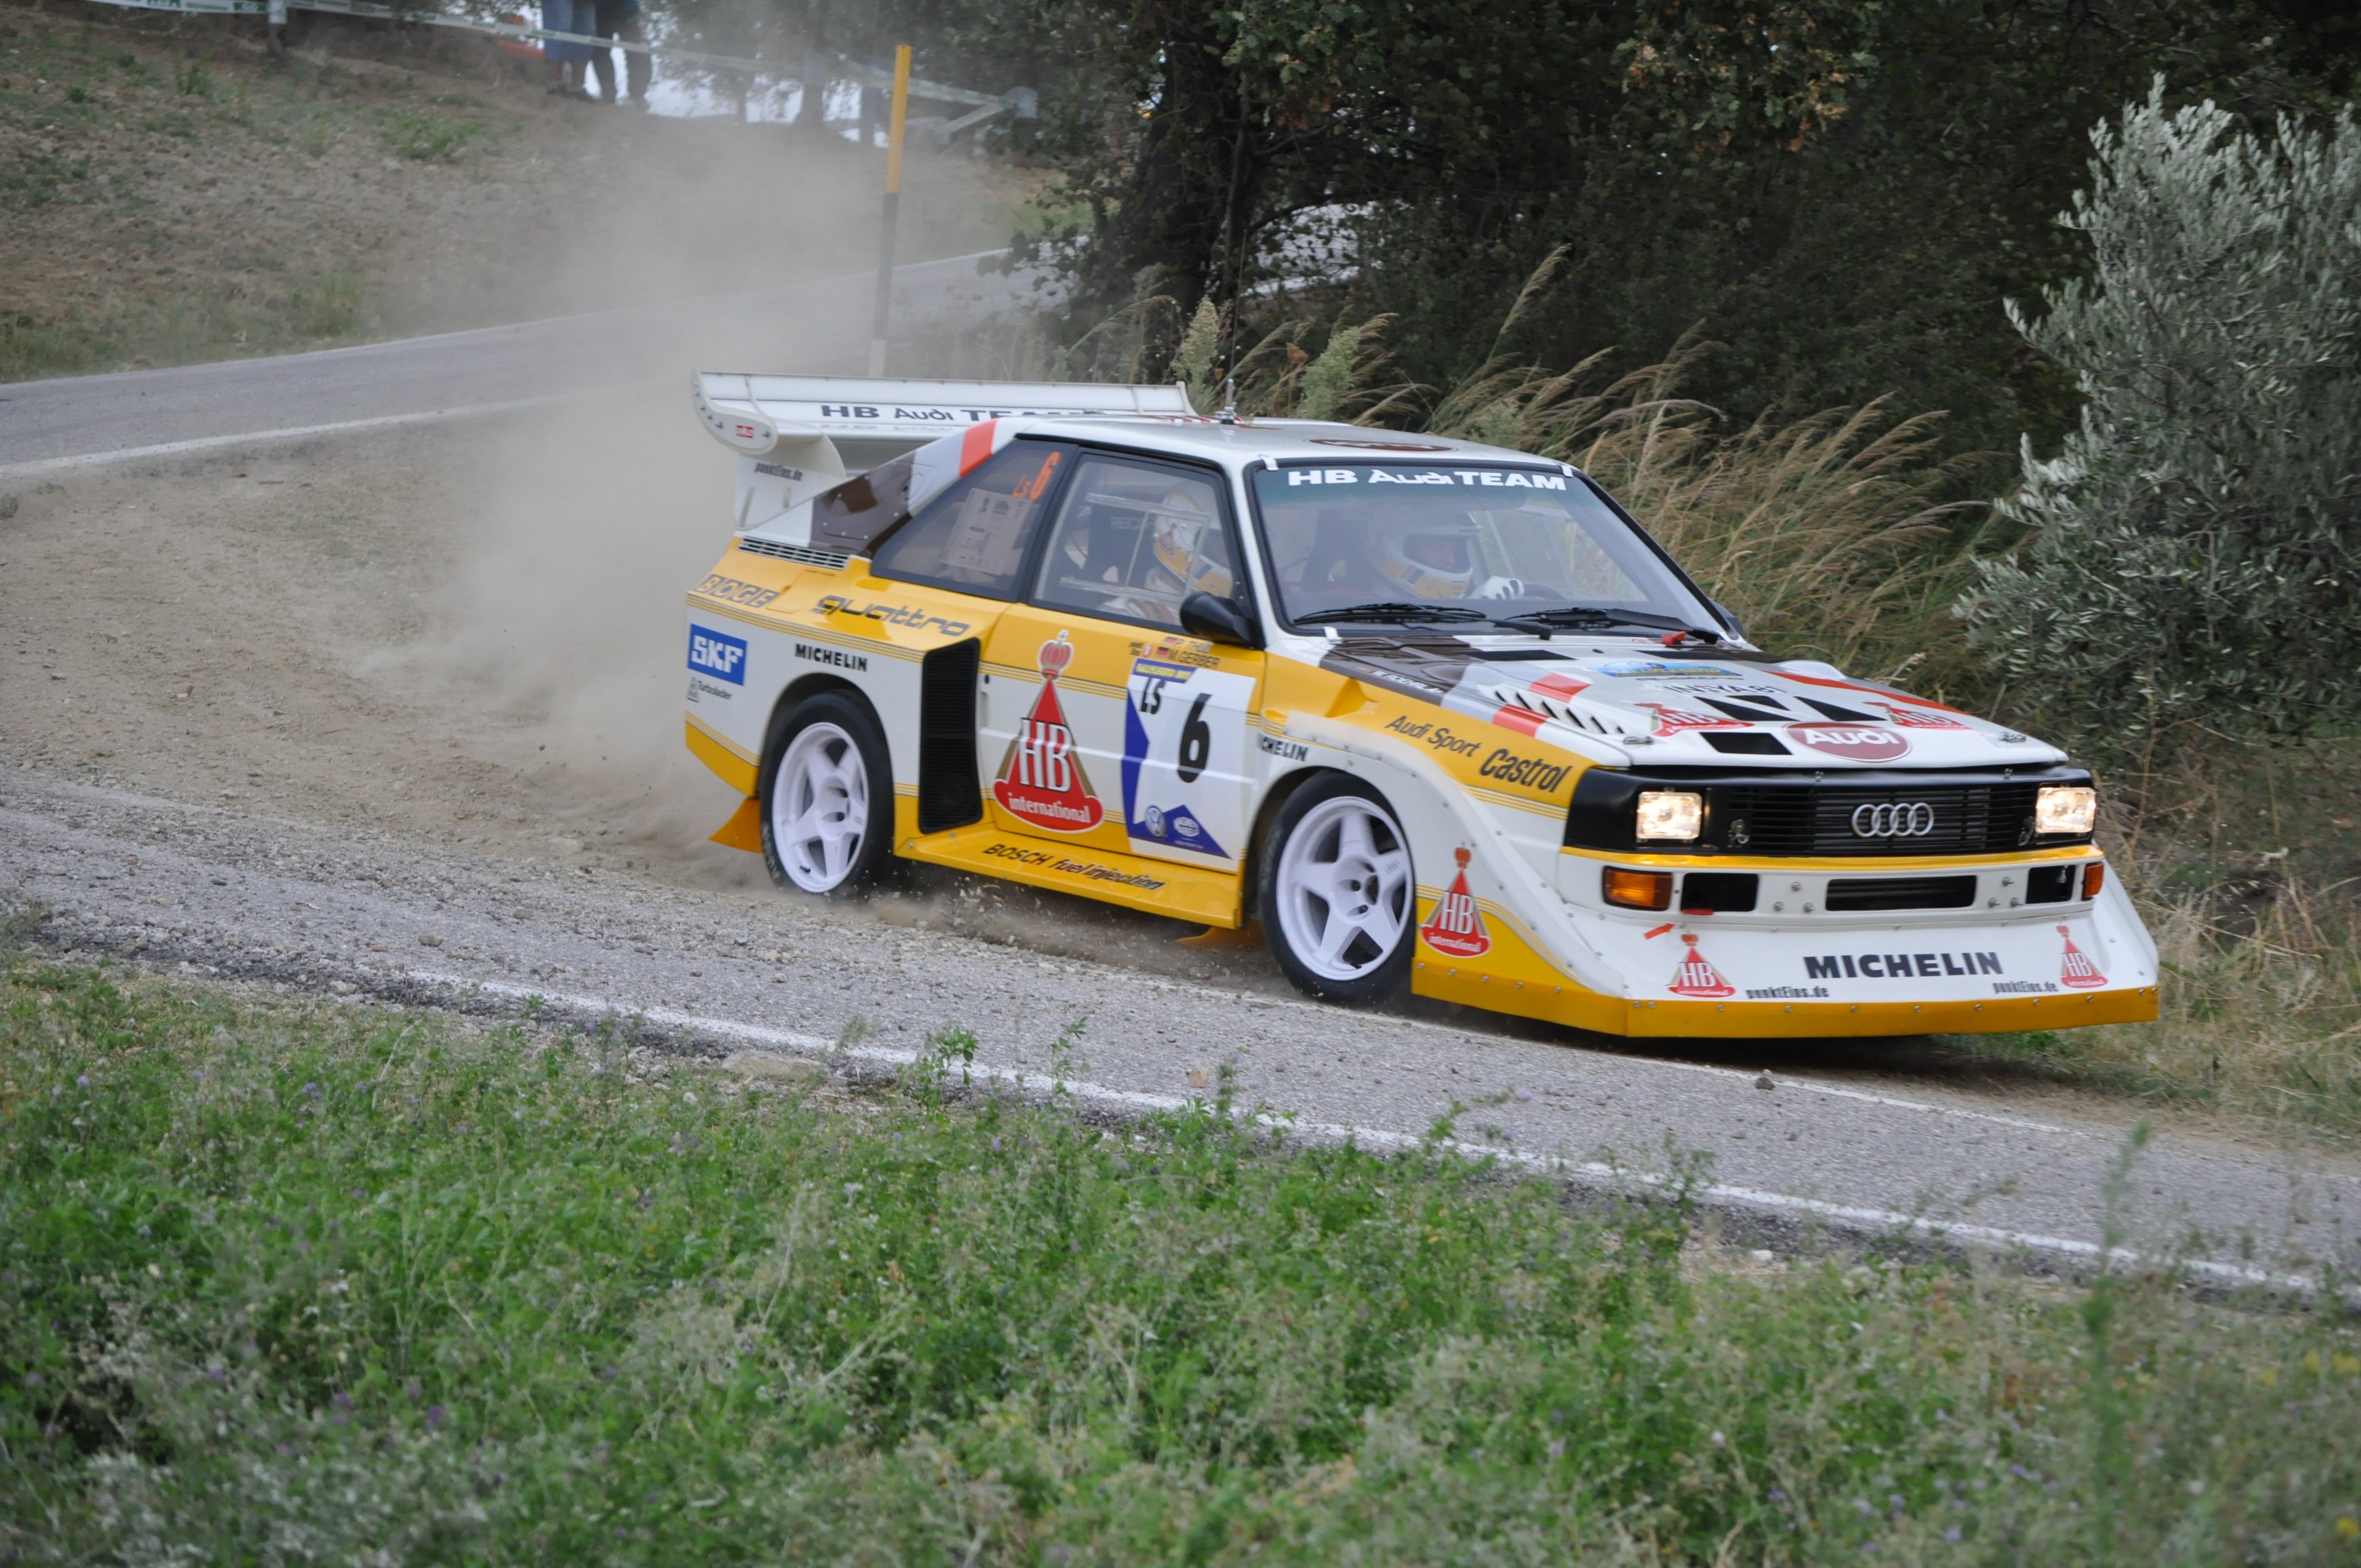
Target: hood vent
(803, 553)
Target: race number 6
(1196, 741)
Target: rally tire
(1339, 903)
(828, 799)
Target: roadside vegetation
(291, 1283)
(2173, 596)
(116, 144)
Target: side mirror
(1218, 620)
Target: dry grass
(2245, 862)
(1832, 536)
(1841, 536)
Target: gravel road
(375, 915)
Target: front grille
(1832, 819)
(1869, 813)
(1851, 894)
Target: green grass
(282, 314)
(289, 1284)
(64, 94)
(428, 135)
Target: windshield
(1379, 543)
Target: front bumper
(1792, 967)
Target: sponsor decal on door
(1042, 780)
(1183, 756)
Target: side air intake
(949, 793)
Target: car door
(1114, 727)
(959, 561)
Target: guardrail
(1020, 103)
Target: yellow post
(893, 202)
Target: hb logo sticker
(718, 654)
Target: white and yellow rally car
(1441, 716)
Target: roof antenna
(1229, 412)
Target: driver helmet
(1426, 556)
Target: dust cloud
(586, 519)
(471, 635)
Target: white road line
(1736, 1074)
(262, 437)
(1036, 1084)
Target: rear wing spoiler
(796, 436)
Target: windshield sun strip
(1280, 611)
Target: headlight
(2060, 808)
(1671, 814)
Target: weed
(428, 136)
(927, 1080)
(193, 77)
(329, 306)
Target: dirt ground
(171, 192)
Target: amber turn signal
(2095, 877)
(1636, 890)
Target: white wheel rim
(1344, 888)
(820, 808)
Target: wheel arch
(1274, 799)
(799, 691)
(783, 711)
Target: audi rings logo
(1904, 819)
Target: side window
(972, 537)
(1133, 540)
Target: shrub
(2195, 551)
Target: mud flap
(744, 829)
(1247, 936)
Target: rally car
(1440, 715)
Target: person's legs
(639, 67)
(606, 22)
(556, 16)
(567, 17)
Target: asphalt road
(71, 421)
(175, 884)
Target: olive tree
(2193, 552)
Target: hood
(1691, 706)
